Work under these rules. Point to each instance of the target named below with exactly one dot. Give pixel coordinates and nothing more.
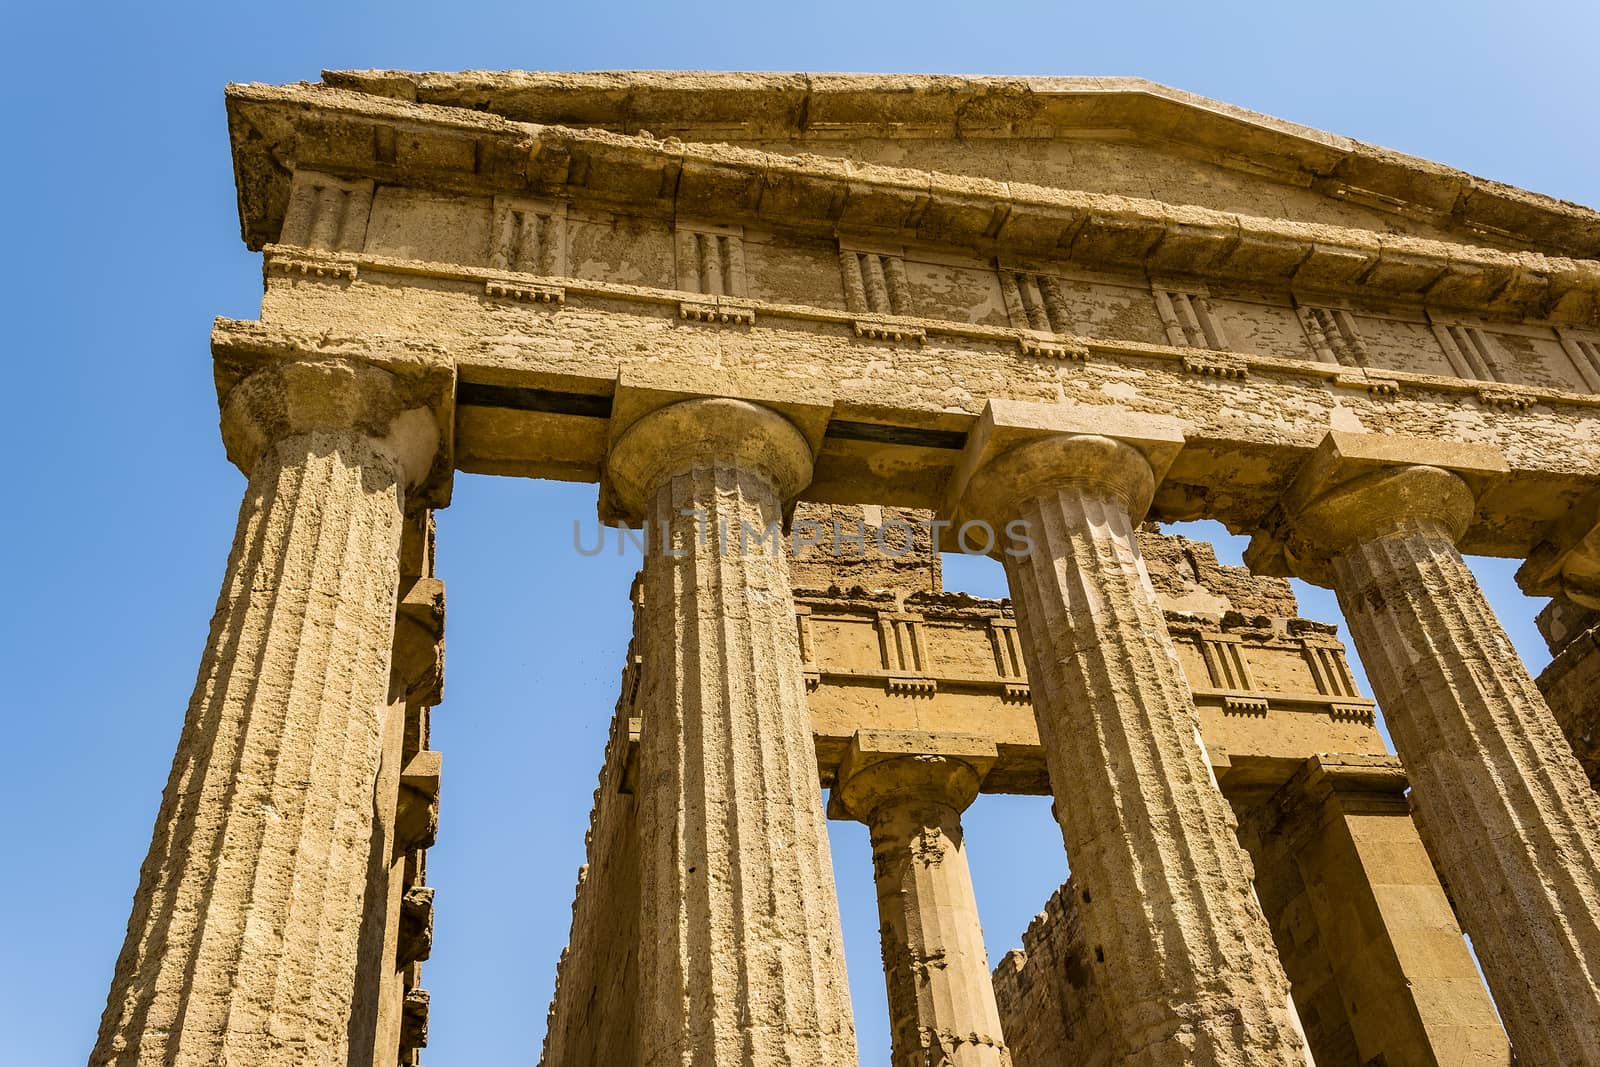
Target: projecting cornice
(343, 132)
(817, 108)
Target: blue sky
(124, 245)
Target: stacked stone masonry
(1571, 683)
(1021, 316)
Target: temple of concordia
(923, 310)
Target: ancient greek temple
(1037, 318)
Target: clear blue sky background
(123, 244)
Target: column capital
(662, 424)
(692, 433)
(1020, 447)
(1355, 488)
(882, 766)
(404, 417)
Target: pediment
(1118, 136)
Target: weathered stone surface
(1361, 922)
(1571, 683)
(1330, 317)
(872, 548)
(741, 959)
(594, 1012)
(246, 929)
(1187, 577)
(408, 777)
(1050, 1003)
(1185, 963)
(980, 125)
(910, 788)
(1505, 808)
(1571, 686)
(1296, 663)
(1268, 690)
(1380, 971)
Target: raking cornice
(713, 107)
(275, 129)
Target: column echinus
(247, 941)
(910, 788)
(1183, 955)
(741, 955)
(1506, 811)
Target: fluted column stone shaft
(942, 1010)
(245, 935)
(741, 953)
(1506, 810)
(1183, 956)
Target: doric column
(1506, 811)
(910, 789)
(1183, 956)
(247, 928)
(741, 955)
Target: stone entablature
(536, 401)
(916, 243)
(456, 151)
(1268, 691)
(1298, 315)
(1328, 327)
(1301, 310)
(906, 655)
(1380, 349)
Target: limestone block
(414, 1024)
(417, 817)
(1380, 970)
(419, 641)
(416, 925)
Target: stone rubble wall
(1188, 577)
(852, 551)
(1571, 683)
(1049, 1010)
(594, 1010)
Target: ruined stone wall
(1049, 1010)
(864, 547)
(1188, 577)
(593, 1012)
(1571, 683)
